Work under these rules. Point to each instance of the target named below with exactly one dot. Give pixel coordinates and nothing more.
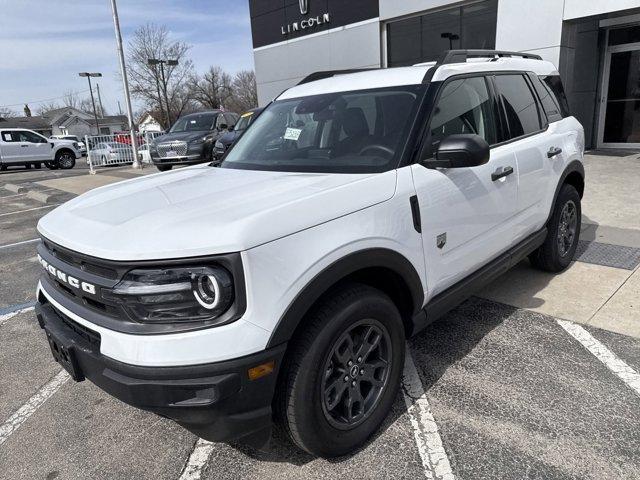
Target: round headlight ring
(207, 291)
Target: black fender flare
(575, 166)
(337, 271)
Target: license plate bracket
(64, 353)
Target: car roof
(413, 75)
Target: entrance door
(619, 124)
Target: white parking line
(19, 243)
(197, 460)
(627, 374)
(25, 411)
(434, 457)
(29, 210)
(7, 316)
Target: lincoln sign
(306, 23)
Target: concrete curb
(12, 187)
(43, 197)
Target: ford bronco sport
(280, 288)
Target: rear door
(11, 147)
(466, 215)
(528, 136)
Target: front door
(467, 216)
(619, 124)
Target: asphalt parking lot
(499, 388)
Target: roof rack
(312, 77)
(461, 56)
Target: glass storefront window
(425, 37)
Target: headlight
(75, 145)
(219, 145)
(199, 140)
(174, 294)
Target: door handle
(501, 172)
(553, 151)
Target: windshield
(351, 132)
(194, 123)
(244, 121)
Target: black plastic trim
(216, 401)
(465, 288)
(574, 166)
(415, 213)
(375, 257)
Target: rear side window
(519, 104)
(547, 99)
(554, 84)
(464, 106)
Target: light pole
(172, 63)
(125, 84)
(451, 37)
(93, 103)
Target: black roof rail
(312, 77)
(461, 56)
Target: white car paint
(291, 226)
(18, 152)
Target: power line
(45, 100)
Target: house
(150, 122)
(69, 121)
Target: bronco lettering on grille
(65, 278)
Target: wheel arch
(61, 150)
(381, 268)
(573, 175)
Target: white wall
(583, 8)
(396, 8)
(281, 66)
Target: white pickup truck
(25, 147)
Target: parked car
(81, 146)
(282, 286)
(106, 153)
(19, 146)
(224, 142)
(191, 139)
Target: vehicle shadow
(445, 342)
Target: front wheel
(66, 160)
(342, 372)
(51, 165)
(563, 233)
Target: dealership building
(595, 45)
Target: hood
(184, 136)
(229, 137)
(56, 141)
(204, 210)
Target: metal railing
(116, 149)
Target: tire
(3, 168)
(65, 159)
(164, 168)
(27, 166)
(51, 165)
(311, 401)
(563, 233)
(38, 165)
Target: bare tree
(212, 89)
(46, 107)
(86, 106)
(147, 84)
(6, 112)
(70, 99)
(245, 93)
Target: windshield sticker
(7, 137)
(292, 133)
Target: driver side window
(464, 106)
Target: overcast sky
(45, 43)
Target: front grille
(80, 262)
(179, 149)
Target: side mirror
(458, 151)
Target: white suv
(359, 207)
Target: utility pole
(119, 108)
(125, 84)
(93, 102)
(153, 62)
(100, 101)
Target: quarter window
(520, 105)
(464, 106)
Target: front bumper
(216, 401)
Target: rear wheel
(563, 233)
(342, 372)
(164, 168)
